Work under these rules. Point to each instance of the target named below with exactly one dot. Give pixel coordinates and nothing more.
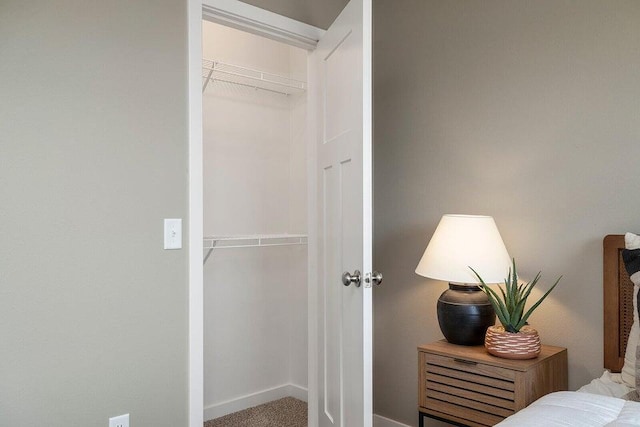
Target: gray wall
(525, 110)
(318, 13)
(93, 155)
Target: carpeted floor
(287, 412)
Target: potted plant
(515, 339)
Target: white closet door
(342, 65)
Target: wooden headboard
(618, 303)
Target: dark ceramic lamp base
(464, 314)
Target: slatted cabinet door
(468, 386)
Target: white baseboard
(298, 392)
(380, 421)
(254, 399)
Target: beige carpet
(287, 412)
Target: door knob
(374, 278)
(348, 278)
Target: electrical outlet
(119, 421)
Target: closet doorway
(255, 220)
(287, 214)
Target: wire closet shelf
(252, 241)
(218, 71)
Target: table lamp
(460, 242)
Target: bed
(598, 403)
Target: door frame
(258, 21)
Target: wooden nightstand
(467, 386)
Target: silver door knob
(374, 277)
(348, 278)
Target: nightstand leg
(420, 419)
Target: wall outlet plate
(119, 421)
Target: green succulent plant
(510, 307)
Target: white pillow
(632, 241)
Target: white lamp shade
(463, 241)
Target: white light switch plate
(119, 421)
(173, 233)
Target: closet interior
(255, 220)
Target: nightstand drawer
(469, 370)
(474, 390)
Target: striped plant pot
(522, 345)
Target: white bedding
(607, 385)
(569, 408)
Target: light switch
(173, 233)
(119, 421)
